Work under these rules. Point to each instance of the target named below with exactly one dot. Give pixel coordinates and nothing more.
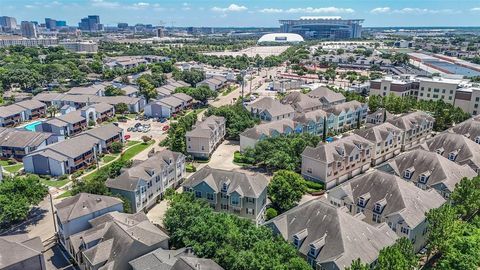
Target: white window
(224, 187)
(452, 156)
(378, 208)
(423, 179)
(477, 139)
(376, 218)
(235, 201)
(210, 196)
(407, 174)
(198, 194)
(404, 230)
(250, 211)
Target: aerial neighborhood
(319, 144)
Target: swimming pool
(31, 126)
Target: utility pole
(242, 73)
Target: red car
(127, 137)
(165, 128)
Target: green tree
(116, 147)
(286, 189)
(111, 90)
(358, 265)
(443, 225)
(121, 108)
(52, 110)
(466, 197)
(399, 256)
(237, 118)
(201, 93)
(146, 89)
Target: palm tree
(52, 110)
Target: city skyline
(260, 13)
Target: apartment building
(67, 125)
(334, 163)
(468, 99)
(381, 115)
(11, 115)
(416, 126)
(178, 259)
(16, 143)
(348, 115)
(168, 106)
(469, 128)
(77, 153)
(386, 141)
(114, 239)
(302, 102)
(94, 89)
(428, 170)
(455, 147)
(269, 109)
(330, 238)
(205, 136)
(74, 213)
(34, 109)
(241, 193)
(326, 96)
(381, 197)
(99, 112)
(145, 183)
(215, 83)
(21, 252)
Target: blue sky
(249, 12)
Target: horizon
(221, 13)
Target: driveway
(155, 132)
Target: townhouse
(168, 106)
(386, 141)
(114, 239)
(67, 125)
(169, 88)
(179, 259)
(205, 136)
(269, 109)
(379, 116)
(381, 197)
(469, 128)
(416, 126)
(145, 183)
(15, 143)
(77, 153)
(301, 102)
(330, 238)
(74, 213)
(21, 252)
(215, 83)
(456, 148)
(240, 193)
(334, 163)
(94, 89)
(326, 96)
(428, 170)
(348, 115)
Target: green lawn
(13, 168)
(67, 193)
(134, 150)
(4, 162)
(53, 183)
(130, 143)
(108, 158)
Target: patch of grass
(13, 168)
(228, 90)
(54, 183)
(136, 149)
(131, 143)
(4, 162)
(108, 158)
(66, 194)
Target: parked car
(126, 137)
(140, 129)
(163, 120)
(129, 129)
(138, 124)
(134, 129)
(165, 128)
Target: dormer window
(299, 237)
(363, 200)
(316, 246)
(424, 177)
(453, 155)
(477, 139)
(408, 173)
(440, 151)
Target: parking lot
(156, 130)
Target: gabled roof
(272, 106)
(315, 116)
(6, 111)
(129, 179)
(204, 129)
(83, 204)
(104, 132)
(268, 128)
(11, 137)
(345, 107)
(469, 129)
(301, 102)
(442, 170)
(327, 94)
(70, 148)
(18, 248)
(244, 183)
(378, 133)
(31, 104)
(329, 152)
(339, 237)
(396, 195)
(410, 120)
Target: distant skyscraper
(122, 25)
(8, 23)
(161, 32)
(91, 24)
(29, 30)
(50, 24)
(61, 24)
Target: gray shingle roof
(269, 128)
(83, 204)
(10, 137)
(18, 248)
(344, 237)
(204, 129)
(345, 107)
(301, 102)
(410, 120)
(31, 104)
(6, 111)
(244, 183)
(327, 94)
(397, 195)
(469, 128)
(329, 152)
(272, 106)
(378, 133)
(104, 132)
(129, 179)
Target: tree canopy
(201, 93)
(286, 189)
(237, 118)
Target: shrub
(116, 147)
(146, 139)
(270, 213)
(314, 185)
(190, 168)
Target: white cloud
(105, 4)
(309, 10)
(186, 6)
(475, 9)
(415, 11)
(380, 10)
(231, 8)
